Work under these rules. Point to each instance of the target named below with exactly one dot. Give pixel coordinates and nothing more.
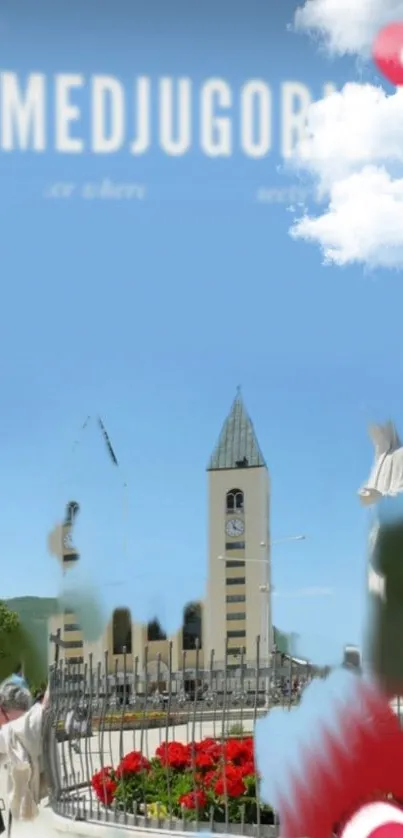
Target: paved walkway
(34, 829)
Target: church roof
(237, 446)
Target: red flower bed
(196, 780)
(105, 785)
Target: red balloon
(387, 53)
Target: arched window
(235, 501)
(155, 631)
(122, 631)
(192, 626)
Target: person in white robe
(21, 749)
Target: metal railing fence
(106, 754)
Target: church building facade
(236, 609)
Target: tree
(9, 635)
(155, 631)
(17, 647)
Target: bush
(236, 730)
(191, 781)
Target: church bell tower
(238, 606)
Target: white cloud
(347, 27)
(363, 223)
(353, 148)
(302, 593)
(348, 130)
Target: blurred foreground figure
(332, 766)
(21, 724)
(385, 569)
(385, 647)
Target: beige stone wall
(253, 575)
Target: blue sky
(151, 313)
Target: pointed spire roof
(237, 446)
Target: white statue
(386, 478)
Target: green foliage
(17, 647)
(9, 629)
(236, 730)
(148, 787)
(34, 613)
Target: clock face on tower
(67, 540)
(234, 527)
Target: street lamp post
(264, 544)
(266, 590)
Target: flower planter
(210, 785)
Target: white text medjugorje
(73, 114)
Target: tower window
(235, 501)
(236, 598)
(235, 580)
(122, 631)
(235, 564)
(192, 627)
(70, 557)
(237, 633)
(237, 615)
(235, 545)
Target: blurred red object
(358, 762)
